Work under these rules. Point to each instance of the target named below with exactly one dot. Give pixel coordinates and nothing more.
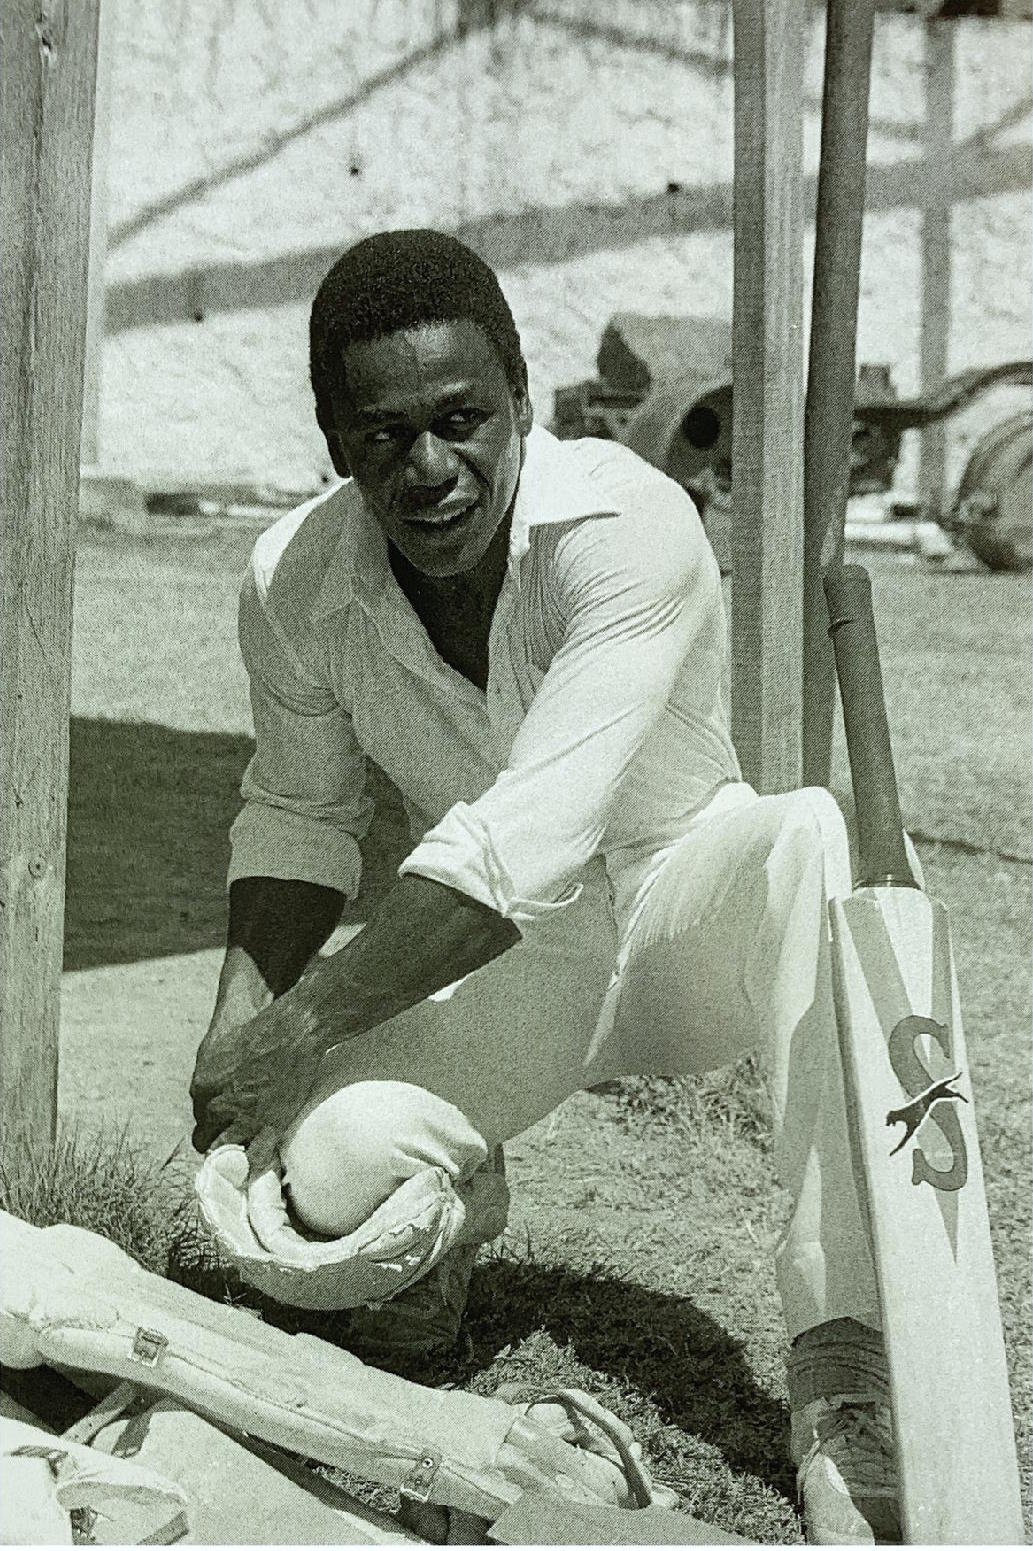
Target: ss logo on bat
(930, 1097)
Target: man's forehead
(437, 364)
(458, 345)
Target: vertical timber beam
(936, 252)
(93, 371)
(46, 122)
(832, 367)
(767, 411)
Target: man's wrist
(326, 1005)
(242, 989)
(425, 935)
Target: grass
(96, 1179)
(631, 1271)
(637, 1264)
(732, 1102)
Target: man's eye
(460, 422)
(382, 436)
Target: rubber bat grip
(880, 829)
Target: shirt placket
(411, 646)
(463, 707)
(495, 712)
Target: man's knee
(344, 1157)
(815, 814)
(814, 811)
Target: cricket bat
(911, 1107)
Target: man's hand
(276, 926)
(263, 1086)
(214, 1068)
(215, 1062)
(253, 1076)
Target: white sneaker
(842, 1436)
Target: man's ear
(341, 466)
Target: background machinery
(679, 418)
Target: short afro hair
(402, 280)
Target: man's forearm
(424, 936)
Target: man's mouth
(440, 518)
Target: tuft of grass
(732, 1102)
(100, 1180)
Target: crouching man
(528, 637)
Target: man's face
(432, 433)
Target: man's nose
(432, 462)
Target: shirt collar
(553, 484)
(554, 488)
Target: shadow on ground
(668, 1350)
(149, 809)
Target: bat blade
(907, 1079)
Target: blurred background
(584, 150)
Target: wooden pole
(93, 372)
(833, 354)
(767, 412)
(46, 121)
(936, 251)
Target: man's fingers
(207, 1083)
(199, 1138)
(262, 1151)
(238, 1134)
(220, 1058)
(200, 1099)
(205, 1088)
(210, 1110)
(203, 1135)
(221, 1122)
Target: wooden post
(832, 366)
(936, 251)
(46, 119)
(767, 370)
(89, 453)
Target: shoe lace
(857, 1438)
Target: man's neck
(468, 595)
(456, 611)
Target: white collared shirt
(603, 729)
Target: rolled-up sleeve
(306, 806)
(637, 598)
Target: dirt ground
(637, 1262)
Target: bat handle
(880, 829)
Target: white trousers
(724, 949)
